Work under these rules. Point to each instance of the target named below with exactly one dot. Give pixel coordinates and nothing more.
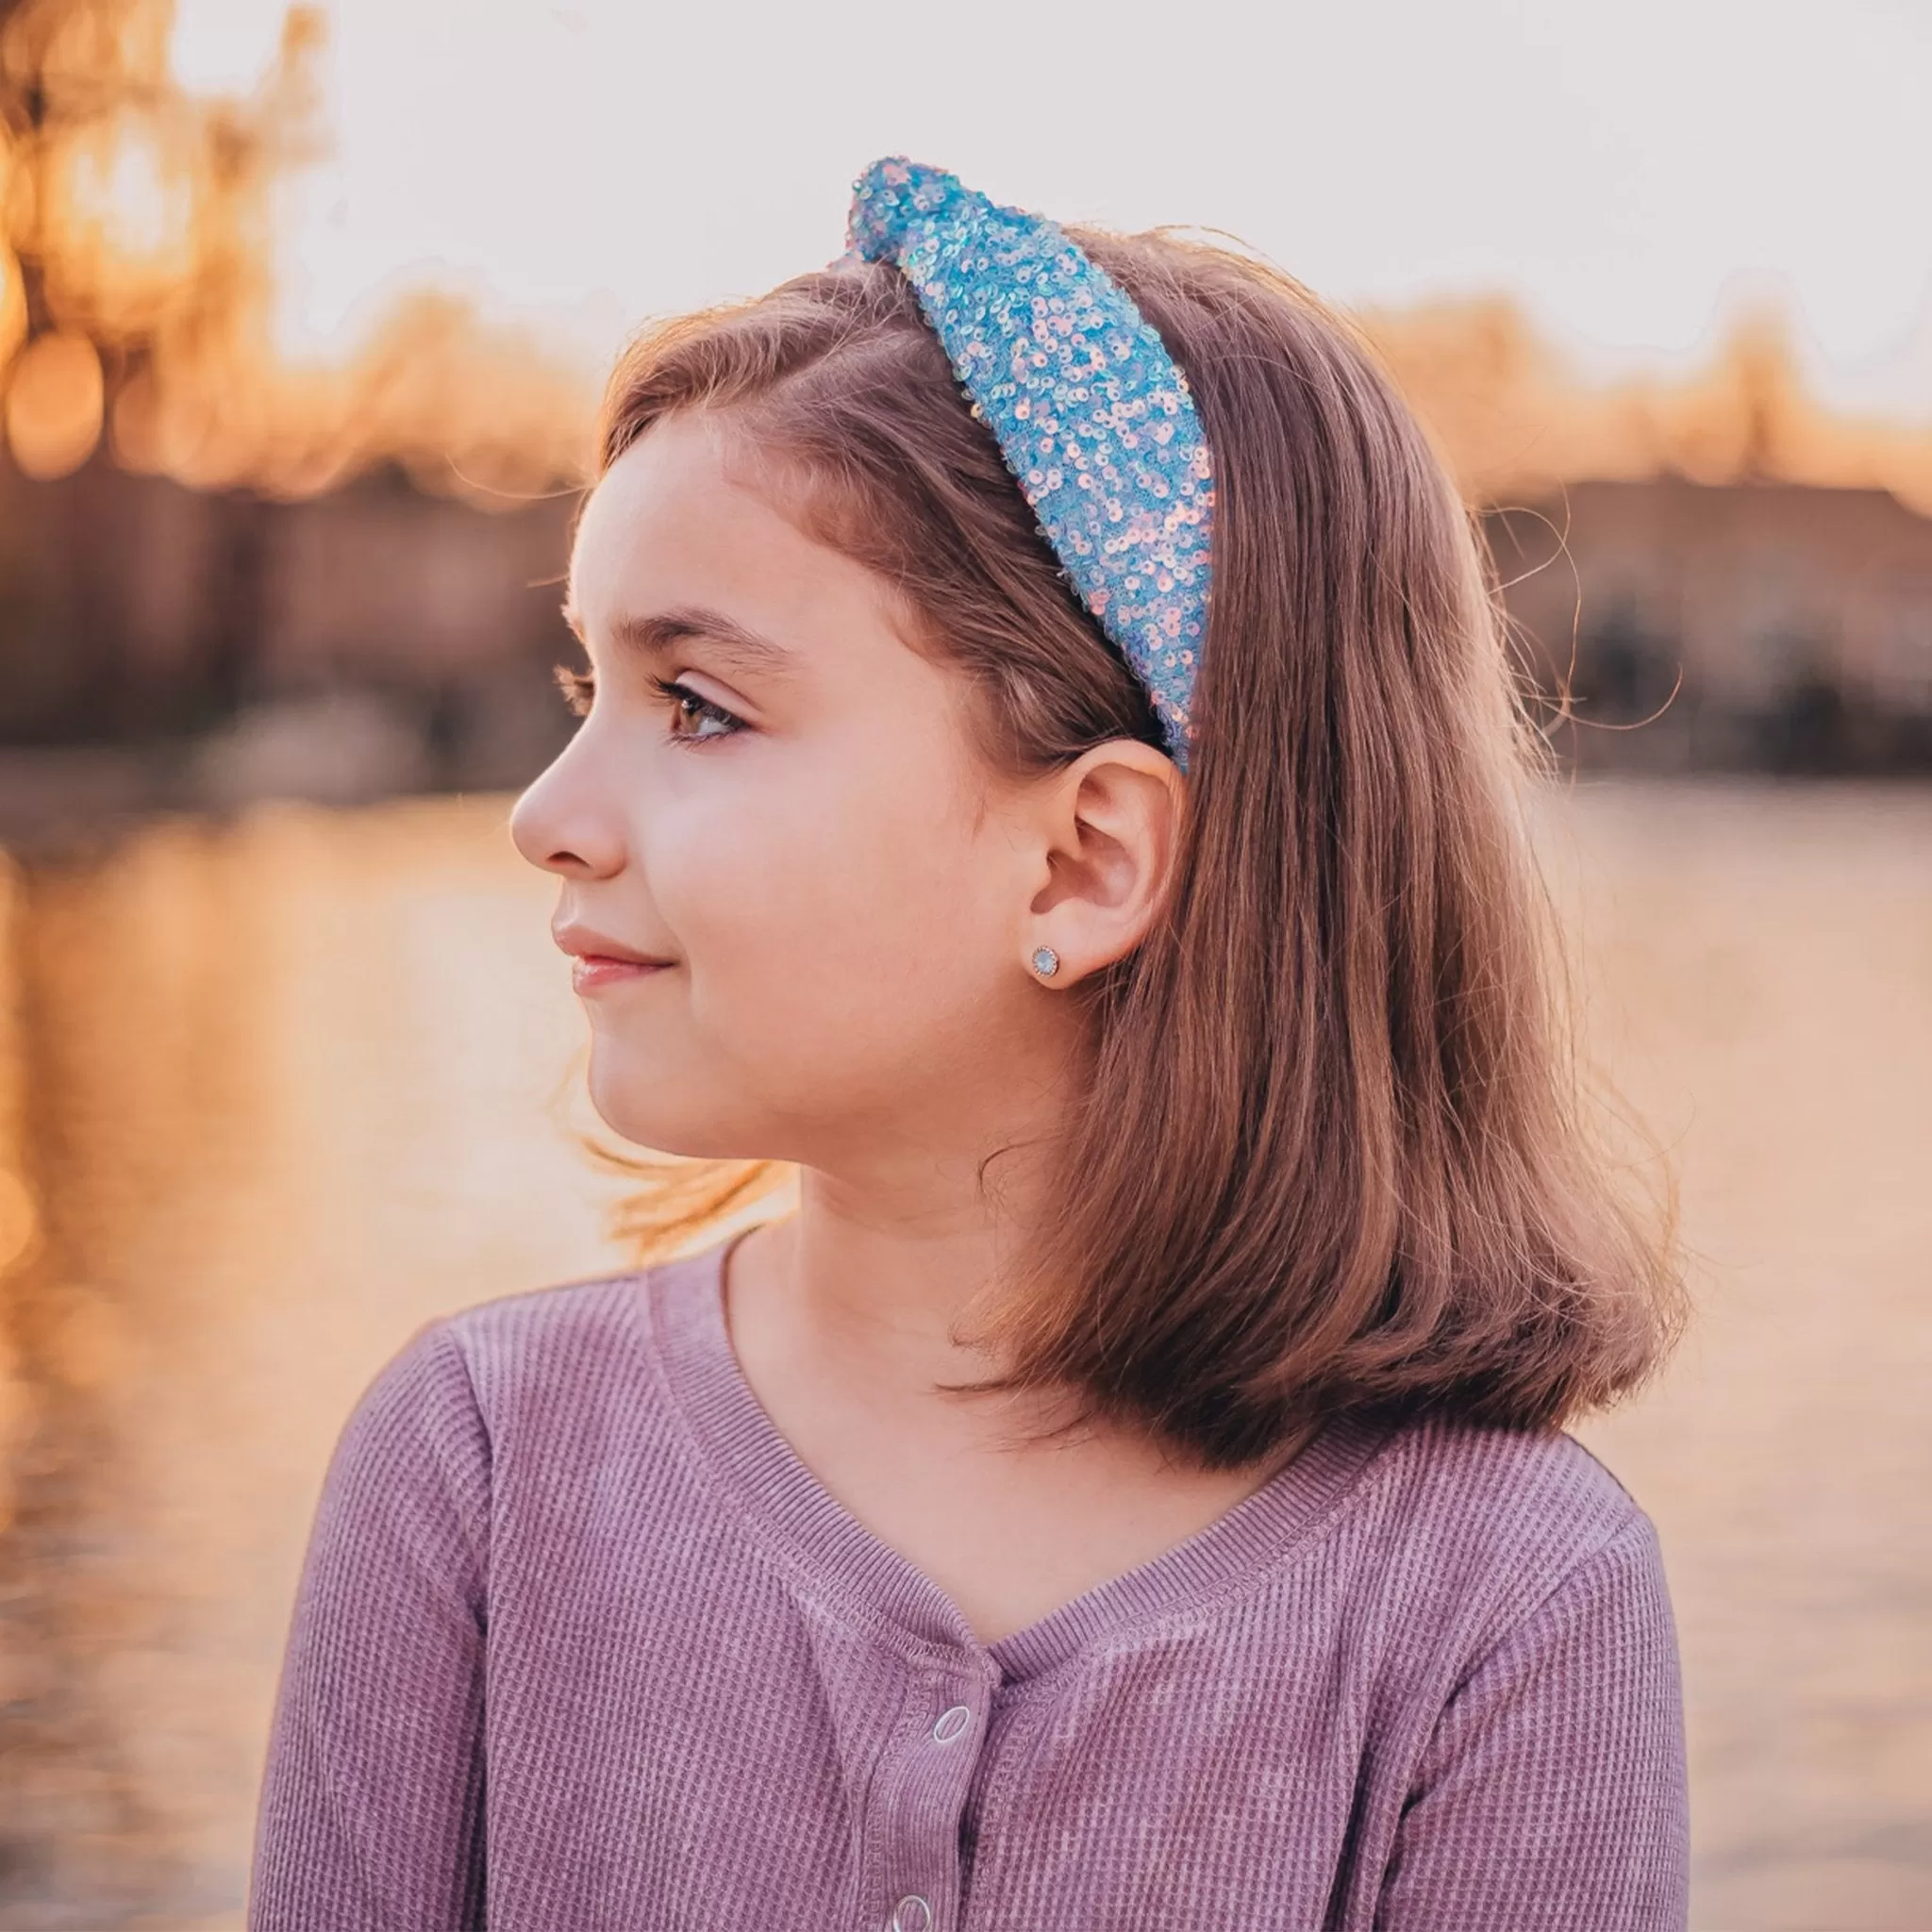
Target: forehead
(672, 521)
(675, 523)
(667, 491)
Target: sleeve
(1553, 1791)
(369, 1816)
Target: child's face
(841, 887)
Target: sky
(1636, 176)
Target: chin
(656, 1111)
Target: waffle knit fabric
(581, 1645)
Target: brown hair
(1331, 1156)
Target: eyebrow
(730, 643)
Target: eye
(579, 688)
(691, 705)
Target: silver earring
(1046, 963)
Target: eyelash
(580, 687)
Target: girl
(1049, 770)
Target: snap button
(950, 1724)
(912, 1914)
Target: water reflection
(271, 1094)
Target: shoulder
(519, 1349)
(1534, 1702)
(459, 1384)
(573, 1369)
(585, 1367)
(499, 1434)
(516, 1403)
(1475, 1526)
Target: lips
(592, 947)
(589, 972)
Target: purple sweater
(581, 1645)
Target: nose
(566, 823)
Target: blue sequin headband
(1093, 417)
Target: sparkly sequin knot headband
(1090, 412)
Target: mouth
(592, 972)
(599, 960)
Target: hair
(1332, 1155)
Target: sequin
(1093, 415)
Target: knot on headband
(1092, 414)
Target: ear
(1107, 828)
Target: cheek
(831, 930)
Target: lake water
(273, 1092)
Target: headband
(1092, 414)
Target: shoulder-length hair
(1333, 1155)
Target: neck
(879, 1286)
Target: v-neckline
(842, 1559)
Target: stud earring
(1046, 963)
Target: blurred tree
(134, 287)
(134, 221)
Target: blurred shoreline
(343, 748)
(351, 749)
(163, 649)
